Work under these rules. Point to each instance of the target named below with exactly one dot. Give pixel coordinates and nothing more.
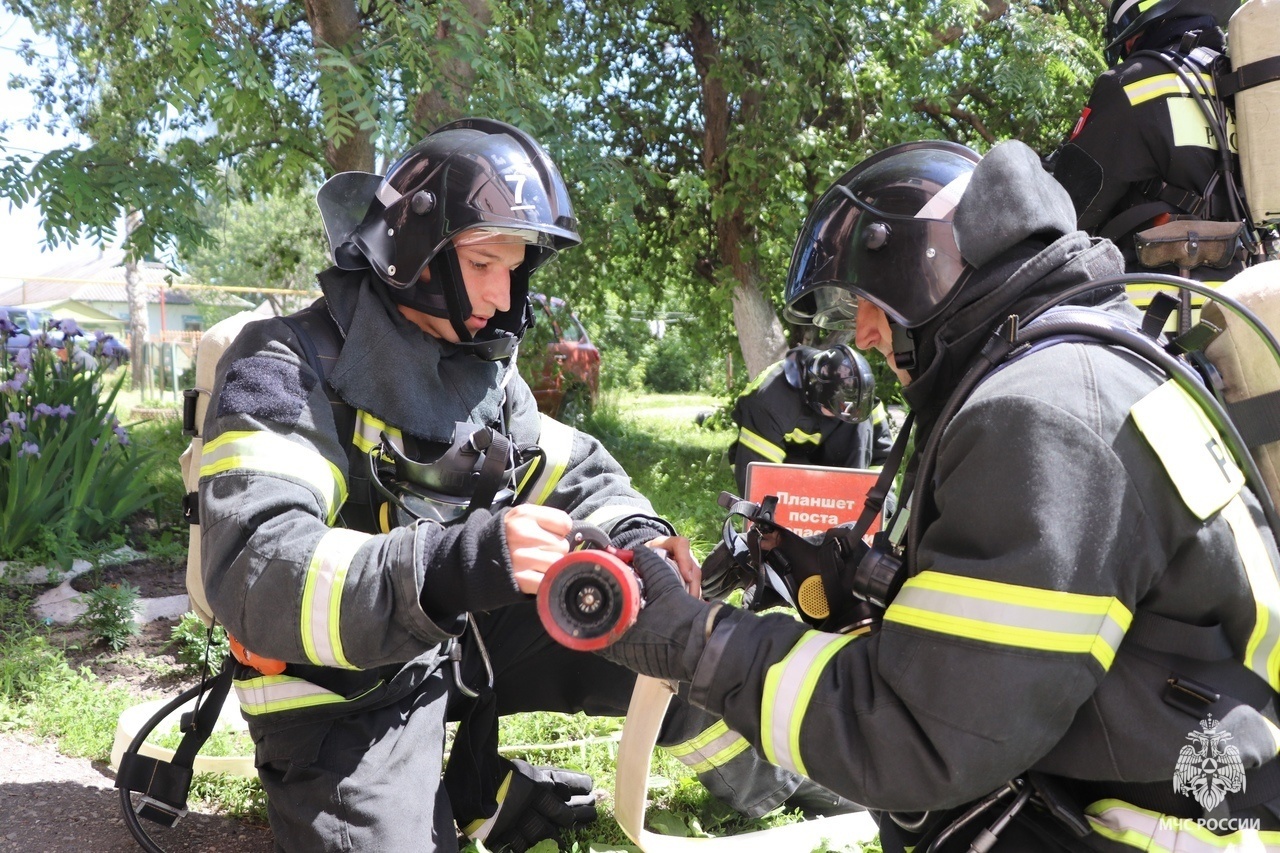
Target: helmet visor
(883, 232)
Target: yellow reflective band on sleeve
(480, 828)
(322, 596)
(268, 453)
(1147, 830)
(799, 436)
(1191, 450)
(768, 450)
(556, 441)
(1009, 615)
(269, 694)
(1164, 85)
(1140, 294)
(788, 687)
(713, 748)
(878, 414)
(1262, 653)
(369, 430)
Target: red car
(559, 361)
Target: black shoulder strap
(321, 342)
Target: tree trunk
(136, 294)
(336, 24)
(444, 103)
(760, 334)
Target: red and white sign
(812, 498)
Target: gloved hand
(721, 574)
(669, 634)
(534, 804)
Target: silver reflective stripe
(606, 516)
(788, 687)
(556, 441)
(369, 430)
(272, 693)
(714, 748)
(1147, 830)
(1262, 653)
(322, 596)
(268, 453)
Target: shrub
(109, 615)
(67, 473)
(194, 644)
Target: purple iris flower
(121, 435)
(43, 410)
(68, 326)
(17, 419)
(64, 411)
(6, 325)
(29, 448)
(23, 358)
(16, 383)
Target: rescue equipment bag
(1254, 50)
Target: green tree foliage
(695, 134)
(272, 242)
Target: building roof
(98, 278)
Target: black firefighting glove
(722, 574)
(670, 633)
(534, 804)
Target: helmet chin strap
(444, 295)
(904, 347)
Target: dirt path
(55, 804)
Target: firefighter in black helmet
(1074, 616)
(815, 407)
(1144, 151)
(375, 519)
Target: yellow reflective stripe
(1163, 85)
(788, 687)
(1010, 615)
(1262, 652)
(1147, 830)
(268, 453)
(481, 827)
(1193, 453)
(768, 450)
(769, 371)
(878, 414)
(799, 436)
(322, 596)
(269, 694)
(369, 430)
(556, 441)
(714, 748)
(1141, 293)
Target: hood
(1016, 281)
(396, 372)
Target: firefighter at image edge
(1078, 502)
(378, 532)
(1143, 150)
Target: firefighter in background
(1143, 150)
(1078, 603)
(815, 407)
(386, 566)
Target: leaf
(668, 823)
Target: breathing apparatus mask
(473, 472)
(471, 180)
(837, 582)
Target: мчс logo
(1208, 768)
